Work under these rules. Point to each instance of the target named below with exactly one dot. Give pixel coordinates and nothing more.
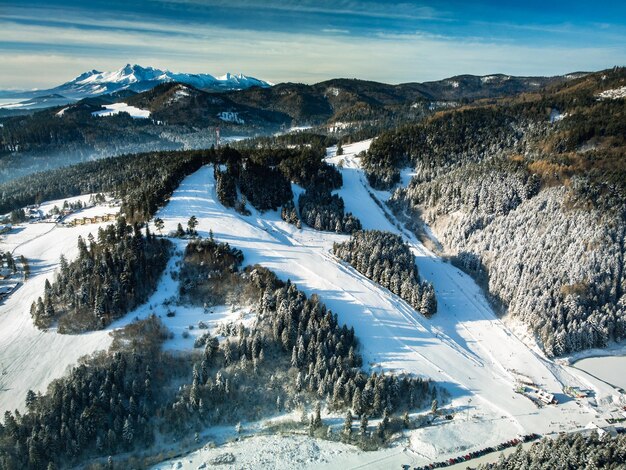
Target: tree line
(387, 260)
(295, 353)
(111, 276)
(565, 452)
(325, 211)
(143, 182)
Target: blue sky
(44, 43)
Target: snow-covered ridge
(139, 79)
(136, 74)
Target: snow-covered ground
(266, 452)
(230, 116)
(614, 94)
(464, 347)
(556, 116)
(610, 369)
(406, 175)
(31, 358)
(115, 108)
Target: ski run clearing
(116, 108)
(464, 347)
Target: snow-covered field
(230, 116)
(31, 358)
(115, 108)
(610, 369)
(266, 452)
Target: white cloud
(64, 52)
(335, 31)
(399, 10)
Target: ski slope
(464, 347)
(116, 108)
(31, 358)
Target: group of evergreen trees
(295, 343)
(266, 188)
(209, 271)
(305, 353)
(565, 452)
(439, 144)
(325, 211)
(226, 185)
(110, 277)
(105, 405)
(290, 215)
(263, 177)
(387, 260)
(7, 262)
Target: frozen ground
(265, 452)
(464, 347)
(614, 94)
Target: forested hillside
(181, 117)
(295, 356)
(386, 259)
(175, 117)
(566, 452)
(143, 182)
(111, 276)
(264, 176)
(529, 195)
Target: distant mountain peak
(135, 77)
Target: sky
(44, 43)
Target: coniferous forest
(143, 182)
(384, 258)
(112, 275)
(296, 354)
(567, 451)
(533, 206)
(514, 187)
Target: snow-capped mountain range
(137, 78)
